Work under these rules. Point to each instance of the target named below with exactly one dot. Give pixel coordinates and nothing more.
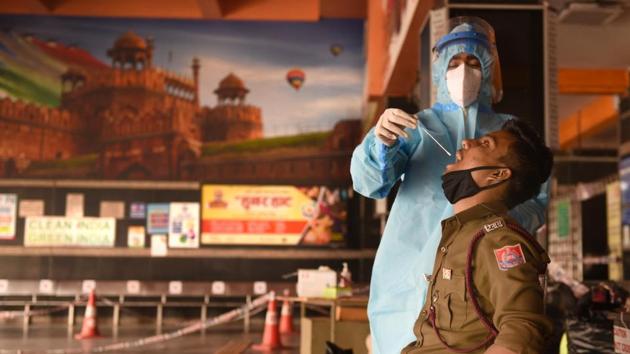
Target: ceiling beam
(210, 9)
(51, 5)
(589, 120)
(271, 10)
(254, 10)
(349, 9)
(593, 81)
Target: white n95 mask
(463, 84)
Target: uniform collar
(480, 211)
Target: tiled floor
(42, 337)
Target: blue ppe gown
(413, 230)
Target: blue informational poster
(157, 218)
(137, 210)
(624, 175)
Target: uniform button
(423, 313)
(435, 298)
(443, 249)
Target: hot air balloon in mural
(295, 78)
(336, 49)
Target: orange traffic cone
(89, 328)
(271, 336)
(286, 316)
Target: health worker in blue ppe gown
(466, 73)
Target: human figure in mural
(218, 201)
(415, 150)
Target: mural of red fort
(131, 119)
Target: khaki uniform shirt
(506, 268)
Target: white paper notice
(175, 287)
(218, 288)
(31, 207)
(46, 286)
(8, 215)
(133, 287)
(88, 285)
(74, 205)
(4, 286)
(260, 288)
(622, 339)
(112, 209)
(158, 246)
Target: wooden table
(354, 301)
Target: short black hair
(529, 159)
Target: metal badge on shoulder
(497, 224)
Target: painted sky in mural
(330, 53)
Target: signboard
(137, 210)
(112, 209)
(272, 215)
(157, 218)
(74, 205)
(622, 339)
(31, 207)
(183, 230)
(63, 231)
(8, 214)
(135, 236)
(563, 211)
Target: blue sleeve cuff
(383, 154)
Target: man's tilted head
(509, 164)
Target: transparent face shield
(474, 30)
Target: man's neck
(482, 197)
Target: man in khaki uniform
(484, 294)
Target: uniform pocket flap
(456, 285)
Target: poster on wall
(563, 218)
(112, 209)
(183, 225)
(159, 246)
(137, 210)
(280, 79)
(157, 218)
(135, 236)
(58, 231)
(8, 213)
(273, 215)
(74, 205)
(31, 207)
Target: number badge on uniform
(509, 256)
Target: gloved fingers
(386, 137)
(395, 128)
(401, 118)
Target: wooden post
(247, 319)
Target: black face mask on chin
(460, 184)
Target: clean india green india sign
(62, 231)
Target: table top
(346, 300)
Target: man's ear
(499, 175)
